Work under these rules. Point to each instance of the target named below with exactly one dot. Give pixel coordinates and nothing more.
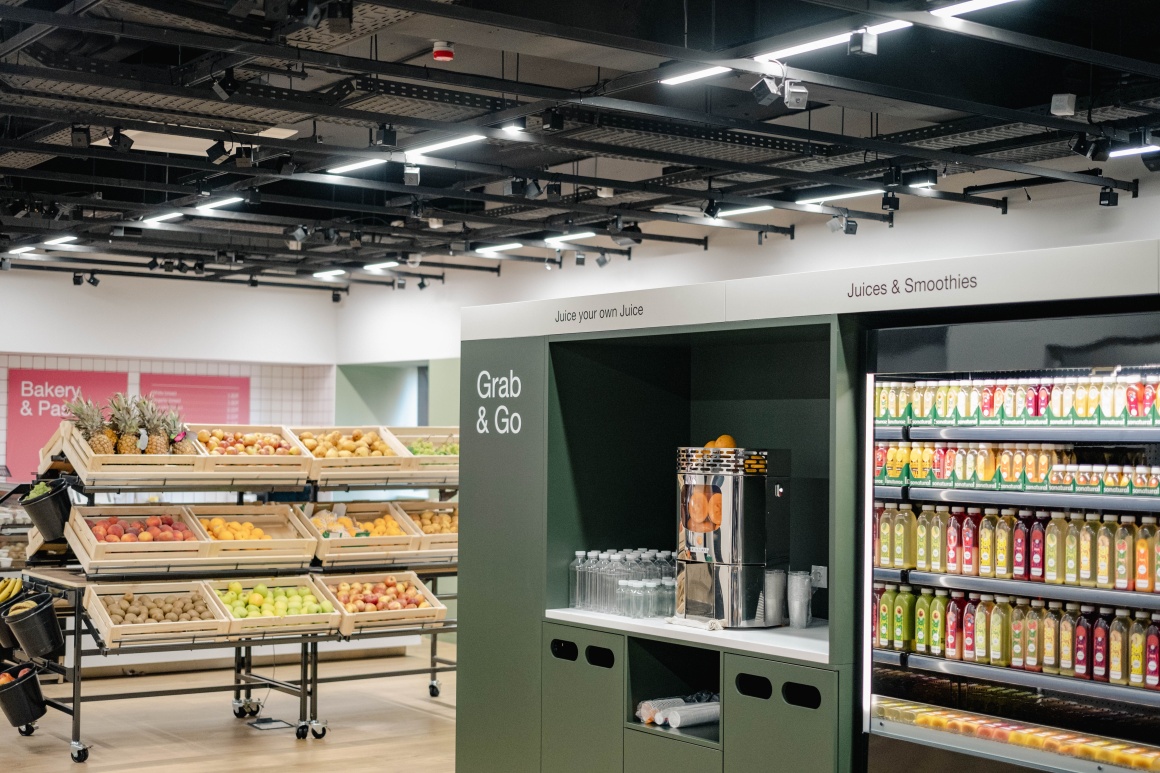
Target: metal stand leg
(80, 752)
(317, 726)
(303, 691)
(433, 687)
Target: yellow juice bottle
(1137, 649)
(922, 620)
(1049, 633)
(1013, 391)
(987, 529)
(1124, 554)
(1054, 556)
(1067, 624)
(999, 629)
(1069, 390)
(1071, 549)
(892, 399)
(1045, 462)
(916, 471)
(1105, 553)
(922, 538)
(943, 404)
(905, 534)
(917, 399)
(985, 463)
(983, 628)
(1031, 463)
(963, 399)
(881, 398)
(1119, 657)
(905, 393)
(886, 617)
(974, 397)
(929, 391)
(886, 536)
(1146, 555)
(1087, 551)
(938, 545)
(1004, 536)
(960, 462)
(927, 459)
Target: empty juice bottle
(1105, 553)
(970, 542)
(1016, 632)
(1118, 654)
(936, 641)
(999, 630)
(938, 541)
(1067, 626)
(1101, 626)
(903, 638)
(1033, 547)
(1054, 539)
(987, 530)
(1152, 654)
(1072, 549)
(954, 540)
(876, 534)
(1087, 551)
(1004, 544)
(1049, 635)
(922, 538)
(1137, 646)
(876, 601)
(886, 536)
(1124, 554)
(922, 619)
(1082, 642)
(970, 620)
(1033, 623)
(953, 644)
(983, 612)
(886, 617)
(905, 529)
(1146, 555)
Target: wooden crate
(356, 469)
(289, 538)
(438, 436)
(54, 446)
(337, 551)
(257, 627)
(284, 470)
(354, 621)
(140, 469)
(114, 635)
(157, 553)
(432, 541)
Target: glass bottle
(1118, 653)
(576, 580)
(905, 528)
(970, 542)
(1015, 400)
(954, 540)
(651, 598)
(623, 598)
(1018, 462)
(1054, 539)
(905, 390)
(671, 592)
(960, 462)
(1137, 646)
(1004, 544)
(885, 539)
(903, 638)
(1087, 551)
(983, 618)
(1067, 626)
(1034, 546)
(1105, 553)
(953, 639)
(1101, 627)
(1146, 555)
(987, 399)
(1044, 463)
(970, 620)
(1069, 390)
(886, 617)
(973, 391)
(1006, 466)
(922, 619)
(936, 640)
(1072, 549)
(1152, 654)
(1124, 554)
(1033, 624)
(987, 531)
(600, 583)
(938, 544)
(938, 464)
(999, 629)
(1020, 612)
(1055, 402)
(1049, 636)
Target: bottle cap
(1121, 613)
(942, 509)
(891, 587)
(958, 509)
(941, 592)
(1037, 603)
(1141, 615)
(1105, 610)
(904, 588)
(1127, 519)
(650, 583)
(998, 599)
(928, 591)
(906, 506)
(1110, 519)
(1148, 519)
(593, 553)
(1086, 608)
(1020, 600)
(622, 582)
(957, 594)
(925, 508)
(1056, 514)
(1073, 607)
(891, 505)
(879, 585)
(1054, 605)
(973, 596)
(1092, 517)
(579, 553)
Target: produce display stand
(212, 564)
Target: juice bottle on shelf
(971, 461)
(956, 607)
(999, 630)
(1105, 553)
(1087, 551)
(922, 619)
(1119, 659)
(987, 399)
(1137, 646)
(1067, 626)
(1148, 390)
(928, 457)
(1124, 554)
(1152, 654)
(987, 530)
(1004, 544)
(1082, 642)
(904, 391)
(1068, 402)
(985, 463)
(917, 399)
(969, 554)
(1146, 555)
(1101, 626)
(1014, 392)
(1120, 395)
(1031, 463)
(1054, 407)
(922, 538)
(938, 539)
(875, 535)
(929, 389)
(881, 397)
(1049, 635)
(881, 451)
(936, 640)
(1097, 387)
(1153, 478)
(1112, 475)
(876, 601)
(1044, 389)
(886, 536)
(916, 470)
(1087, 397)
(1043, 459)
(1034, 546)
(940, 400)
(970, 619)
(891, 389)
(1054, 539)
(1140, 477)
(903, 638)
(1071, 549)
(949, 460)
(953, 534)
(886, 617)
(1033, 629)
(892, 471)
(983, 628)
(1018, 461)
(953, 389)
(905, 528)
(1006, 458)
(1017, 615)
(1083, 476)
(974, 397)
(938, 464)
(1107, 403)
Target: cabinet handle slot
(601, 657)
(754, 686)
(564, 650)
(804, 695)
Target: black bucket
(49, 512)
(22, 701)
(37, 630)
(7, 640)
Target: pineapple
(91, 423)
(153, 420)
(175, 427)
(123, 416)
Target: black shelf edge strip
(1032, 434)
(1110, 503)
(1095, 596)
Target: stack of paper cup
(774, 597)
(649, 711)
(695, 714)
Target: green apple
(326, 607)
(236, 588)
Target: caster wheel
(319, 733)
(80, 755)
(241, 713)
(255, 711)
(301, 732)
(434, 690)
(27, 730)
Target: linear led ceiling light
(697, 75)
(21, 250)
(958, 9)
(491, 252)
(837, 196)
(516, 125)
(425, 149)
(60, 240)
(569, 237)
(219, 203)
(363, 164)
(329, 274)
(1139, 143)
(744, 211)
(162, 218)
(922, 178)
(381, 266)
(1137, 151)
(833, 40)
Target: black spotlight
(628, 235)
(889, 203)
(892, 177)
(152, 264)
(603, 260)
(552, 121)
(711, 208)
(851, 227)
(253, 281)
(254, 196)
(515, 187)
(78, 279)
(199, 267)
(225, 86)
(1151, 161)
(335, 296)
(182, 267)
(81, 137)
(93, 280)
(217, 153)
(581, 258)
(1109, 198)
(385, 135)
(1098, 149)
(5, 264)
(119, 142)
(423, 283)
(555, 191)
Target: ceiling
(206, 140)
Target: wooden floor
(382, 725)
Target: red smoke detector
(443, 51)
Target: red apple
(167, 520)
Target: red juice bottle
(1043, 399)
(1152, 654)
(1148, 399)
(953, 643)
(954, 541)
(1032, 400)
(1100, 632)
(973, 605)
(1037, 547)
(1020, 544)
(970, 542)
(1083, 642)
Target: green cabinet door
(582, 701)
(646, 752)
(779, 716)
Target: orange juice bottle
(1105, 553)
(928, 455)
(1124, 555)
(1146, 555)
(1031, 463)
(1018, 461)
(1004, 539)
(886, 536)
(1006, 456)
(1068, 402)
(985, 463)
(1045, 463)
(987, 531)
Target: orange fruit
(726, 441)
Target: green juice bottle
(922, 620)
(922, 538)
(1071, 549)
(905, 533)
(886, 617)
(983, 612)
(1087, 550)
(936, 641)
(904, 603)
(886, 536)
(999, 630)
(1049, 652)
(1106, 553)
(1054, 544)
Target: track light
(628, 235)
(602, 259)
(711, 209)
(552, 121)
(835, 224)
(243, 158)
(254, 196)
(921, 178)
(199, 267)
(168, 266)
(152, 264)
(1109, 198)
(287, 167)
(385, 135)
(1098, 149)
(862, 43)
(1151, 162)
(516, 125)
(119, 142)
(225, 86)
(515, 187)
(411, 174)
(889, 203)
(296, 233)
(423, 283)
(335, 296)
(766, 91)
(78, 279)
(554, 191)
(356, 240)
(797, 96)
(81, 137)
(581, 258)
(850, 228)
(534, 190)
(417, 210)
(253, 281)
(217, 153)
(182, 267)
(93, 280)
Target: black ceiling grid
(290, 94)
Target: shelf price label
(498, 417)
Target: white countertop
(811, 644)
